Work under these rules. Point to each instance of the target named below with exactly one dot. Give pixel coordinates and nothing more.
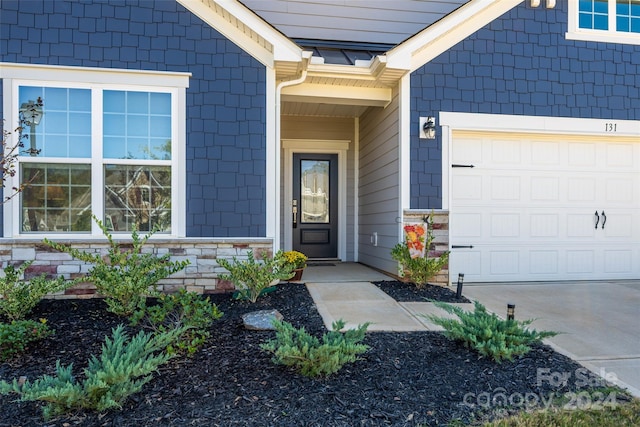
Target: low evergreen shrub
(185, 310)
(18, 334)
(253, 278)
(126, 277)
(487, 333)
(312, 358)
(122, 369)
(19, 297)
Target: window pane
(593, 14)
(137, 195)
(627, 15)
(58, 198)
(64, 127)
(314, 183)
(138, 118)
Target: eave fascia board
(447, 32)
(280, 47)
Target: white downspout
(306, 57)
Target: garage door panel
(620, 156)
(619, 225)
(467, 188)
(581, 225)
(528, 208)
(544, 189)
(544, 225)
(505, 188)
(504, 262)
(505, 225)
(582, 189)
(469, 225)
(545, 153)
(619, 191)
(543, 262)
(580, 261)
(618, 261)
(581, 155)
(507, 152)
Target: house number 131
(610, 127)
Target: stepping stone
(261, 320)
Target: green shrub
(253, 278)
(295, 347)
(19, 297)
(17, 335)
(126, 277)
(419, 270)
(122, 369)
(488, 334)
(185, 310)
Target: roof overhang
(445, 33)
(368, 84)
(247, 30)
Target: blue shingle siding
(540, 74)
(226, 102)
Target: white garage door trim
(517, 252)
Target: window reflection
(314, 187)
(58, 198)
(137, 195)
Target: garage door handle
(597, 219)
(604, 219)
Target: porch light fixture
(428, 127)
(511, 311)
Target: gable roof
(364, 21)
(366, 82)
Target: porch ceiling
(321, 109)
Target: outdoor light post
(511, 309)
(459, 288)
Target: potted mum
(295, 260)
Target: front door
(315, 204)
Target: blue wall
(520, 64)
(226, 103)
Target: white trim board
(339, 147)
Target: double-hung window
(616, 21)
(113, 150)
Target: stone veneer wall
(199, 276)
(440, 233)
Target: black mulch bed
(407, 292)
(405, 379)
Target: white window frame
(98, 80)
(608, 36)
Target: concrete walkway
(344, 291)
(598, 321)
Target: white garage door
(544, 207)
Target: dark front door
(315, 203)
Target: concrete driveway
(599, 321)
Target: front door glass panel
(314, 185)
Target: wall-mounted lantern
(428, 127)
